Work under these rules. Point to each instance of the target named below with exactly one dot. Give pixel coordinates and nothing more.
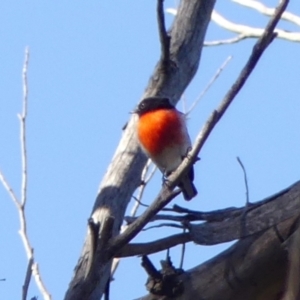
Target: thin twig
(22, 118)
(212, 216)
(210, 83)
(246, 209)
(138, 202)
(233, 40)
(213, 232)
(20, 204)
(10, 191)
(165, 196)
(163, 225)
(182, 252)
(245, 180)
(209, 216)
(142, 187)
(163, 35)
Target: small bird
(163, 136)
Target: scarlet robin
(163, 136)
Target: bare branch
(233, 40)
(281, 208)
(10, 191)
(39, 282)
(261, 8)
(27, 279)
(210, 83)
(210, 216)
(22, 118)
(163, 35)
(245, 180)
(32, 266)
(165, 196)
(250, 32)
(163, 225)
(260, 216)
(182, 253)
(245, 31)
(145, 181)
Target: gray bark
(254, 268)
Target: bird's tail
(188, 189)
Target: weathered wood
(254, 268)
(284, 206)
(236, 223)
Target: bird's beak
(134, 111)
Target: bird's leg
(189, 156)
(165, 179)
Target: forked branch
(32, 268)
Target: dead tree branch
(260, 216)
(245, 31)
(32, 268)
(234, 274)
(263, 9)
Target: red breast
(160, 129)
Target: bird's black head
(153, 103)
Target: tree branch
(32, 267)
(261, 8)
(281, 208)
(135, 249)
(259, 217)
(245, 31)
(163, 35)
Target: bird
(163, 136)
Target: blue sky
(89, 65)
